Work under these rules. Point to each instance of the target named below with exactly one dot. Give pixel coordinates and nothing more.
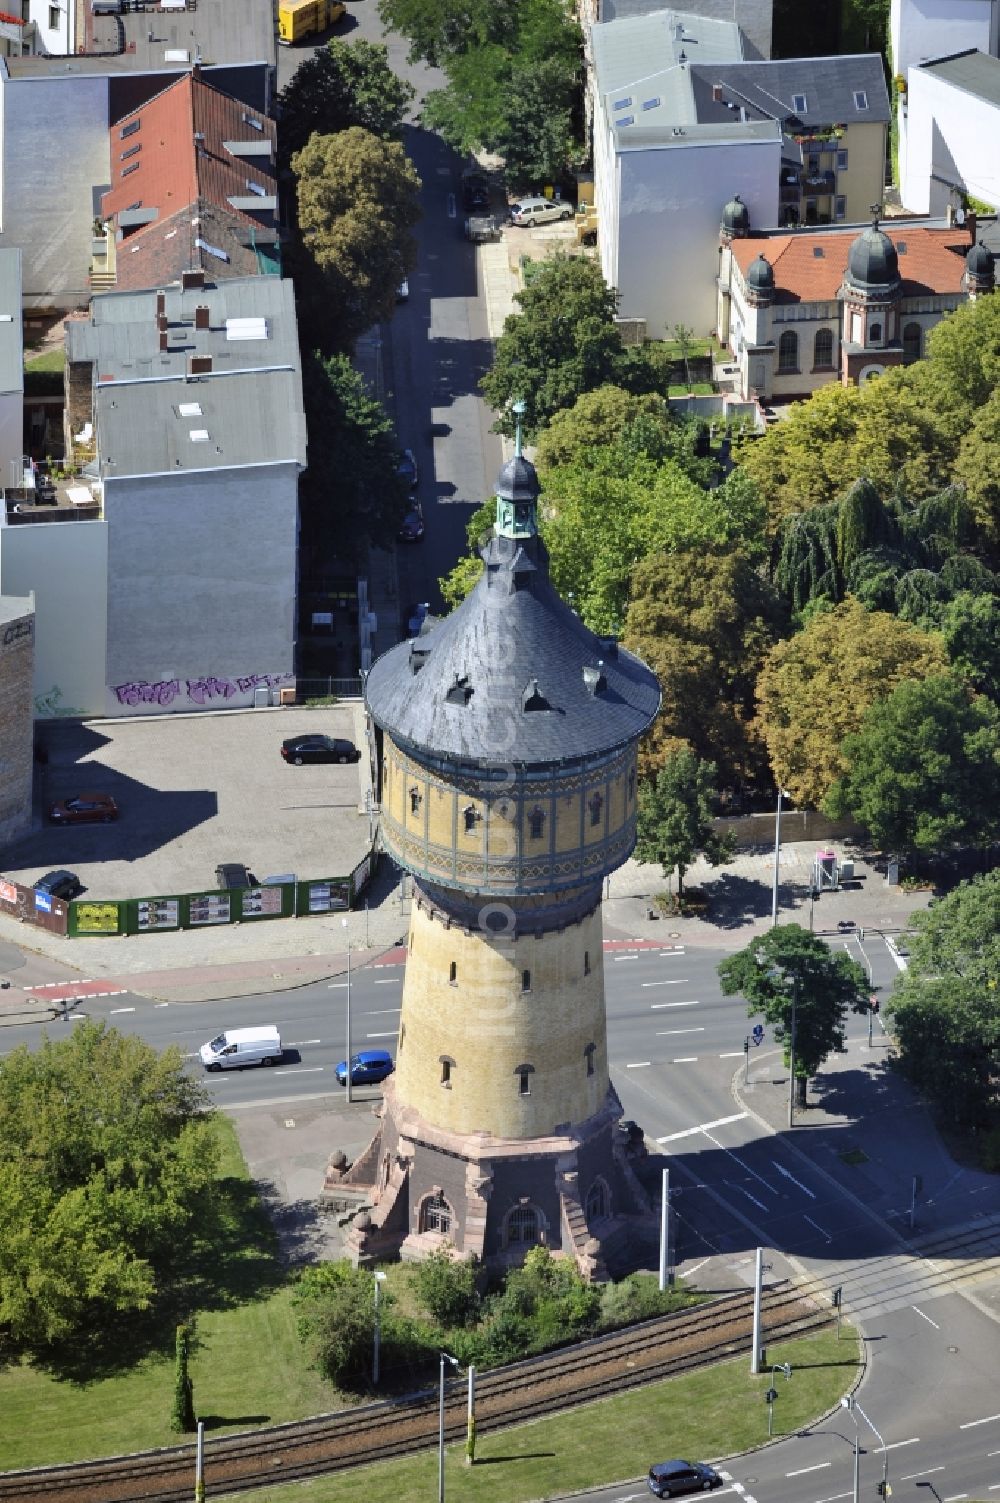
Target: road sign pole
(746, 1069)
(757, 1282)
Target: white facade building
(953, 133)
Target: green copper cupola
(517, 493)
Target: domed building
(801, 308)
(506, 744)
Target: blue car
(367, 1068)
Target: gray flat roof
(245, 410)
(973, 72)
(11, 353)
(210, 32)
(733, 133)
(641, 47)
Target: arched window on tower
(598, 1201)
(453, 973)
(469, 816)
(875, 334)
(524, 1074)
(912, 343)
(536, 823)
(788, 351)
(589, 1053)
(415, 800)
(523, 1227)
(823, 349)
(596, 805)
(436, 1214)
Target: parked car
(415, 617)
(367, 1067)
(480, 228)
(475, 190)
(412, 527)
(669, 1479)
(532, 211)
(233, 874)
(84, 809)
(59, 884)
(407, 469)
(299, 749)
(403, 291)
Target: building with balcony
(799, 309)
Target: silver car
(532, 211)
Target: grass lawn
(719, 1411)
(51, 360)
(249, 1368)
(697, 389)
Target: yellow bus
(299, 19)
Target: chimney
(717, 93)
(199, 365)
(678, 30)
(161, 304)
(164, 341)
(201, 316)
(949, 217)
(161, 322)
(970, 225)
(192, 279)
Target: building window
(453, 973)
(524, 1074)
(132, 167)
(860, 99)
(414, 800)
(130, 151)
(55, 16)
(799, 104)
(435, 1214)
(526, 981)
(447, 1065)
(129, 130)
(597, 1201)
(841, 161)
(788, 351)
(469, 815)
(536, 823)
(523, 1227)
(595, 805)
(589, 1053)
(823, 350)
(875, 334)
(586, 962)
(840, 207)
(912, 337)
(811, 215)
(631, 783)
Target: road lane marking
(956, 1498)
(817, 1226)
(913, 1441)
(162, 1004)
(642, 1064)
(301, 1043)
(674, 981)
(659, 1006)
(971, 1424)
(663, 1033)
(685, 1059)
(788, 1175)
(836, 1498)
(304, 1070)
(803, 1470)
(689, 1132)
(386, 980)
(333, 985)
(114, 1011)
(745, 1167)
(929, 1473)
(937, 1328)
(749, 1196)
(624, 957)
(390, 1035)
(736, 1054)
(383, 1012)
(690, 1272)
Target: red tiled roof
(169, 155)
(932, 262)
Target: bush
(638, 1298)
(336, 1317)
(446, 1288)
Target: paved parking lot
(196, 790)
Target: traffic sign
(771, 1395)
(758, 1033)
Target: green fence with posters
(210, 909)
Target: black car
(59, 884)
(407, 470)
(233, 874)
(475, 190)
(668, 1479)
(299, 749)
(412, 527)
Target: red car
(84, 809)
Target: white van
(242, 1046)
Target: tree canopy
(946, 1005)
(787, 966)
(357, 205)
(814, 689)
(341, 85)
(106, 1154)
(923, 769)
(675, 817)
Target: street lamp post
(347, 1063)
(377, 1336)
(850, 1403)
(454, 1362)
(791, 1056)
(847, 1403)
(777, 858)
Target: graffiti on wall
(198, 691)
(18, 631)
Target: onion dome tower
(735, 220)
(506, 746)
(870, 295)
(980, 271)
(760, 282)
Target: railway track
(656, 1349)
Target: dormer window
(860, 99)
(533, 698)
(800, 104)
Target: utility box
(846, 871)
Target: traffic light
(884, 1490)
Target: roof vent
(418, 656)
(201, 316)
(199, 365)
(195, 277)
(717, 93)
(594, 679)
(818, 252)
(533, 698)
(461, 690)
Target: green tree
(805, 460)
(446, 1287)
(703, 620)
(788, 967)
(535, 135)
(562, 343)
(814, 689)
(182, 1415)
(335, 1306)
(350, 490)
(107, 1159)
(977, 466)
(945, 1007)
(341, 85)
(460, 580)
(675, 817)
(970, 626)
(357, 205)
(963, 355)
(923, 769)
(440, 30)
